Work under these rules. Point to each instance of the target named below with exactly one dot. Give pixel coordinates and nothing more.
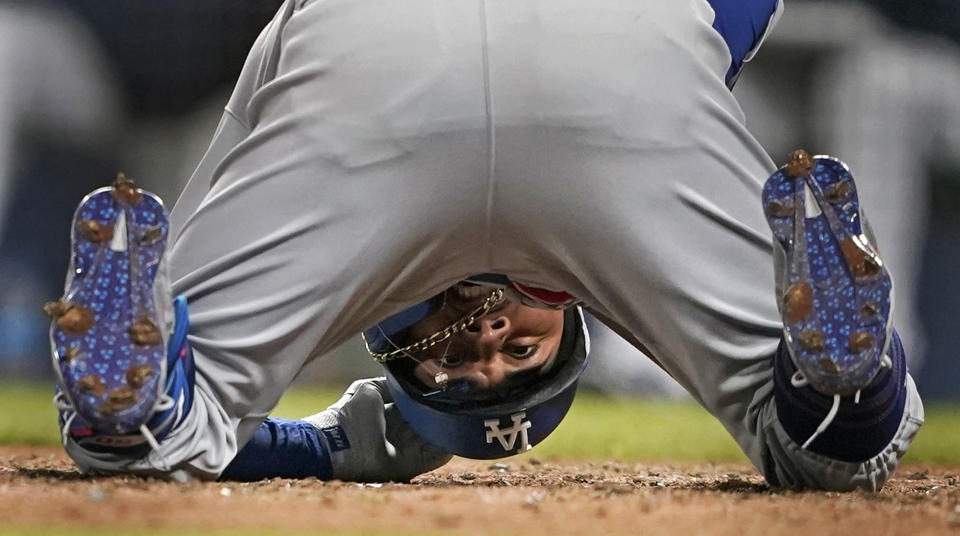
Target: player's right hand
(381, 445)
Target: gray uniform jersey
(373, 154)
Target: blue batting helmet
(483, 425)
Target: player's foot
(836, 296)
(110, 329)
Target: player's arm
(360, 438)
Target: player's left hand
(376, 445)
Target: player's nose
(488, 334)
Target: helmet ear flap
(500, 426)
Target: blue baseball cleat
(110, 330)
(837, 296)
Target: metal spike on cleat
(798, 301)
(70, 317)
(828, 365)
(72, 353)
(861, 262)
(860, 341)
(799, 164)
(94, 231)
(118, 400)
(138, 375)
(780, 209)
(91, 384)
(840, 192)
(144, 332)
(125, 190)
(151, 235)
(813, 340)
(870, 309)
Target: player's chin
(468, 296)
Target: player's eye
(520, 351)
(450, 361)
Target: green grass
(27, 415)
(597, 428)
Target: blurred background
(92, 87)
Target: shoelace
(798, 380)
(166, 402)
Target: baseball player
(464, 177)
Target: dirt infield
(39, 487)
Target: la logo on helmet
(508, 436)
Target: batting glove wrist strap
(281, 448)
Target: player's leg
(322, 207)
(110, 287)
(655, 217)
(699, 296)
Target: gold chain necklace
(432, 340)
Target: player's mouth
(465, 297)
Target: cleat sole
(837, 305)
(108, 351)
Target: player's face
(509, 340)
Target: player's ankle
(863, 426)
